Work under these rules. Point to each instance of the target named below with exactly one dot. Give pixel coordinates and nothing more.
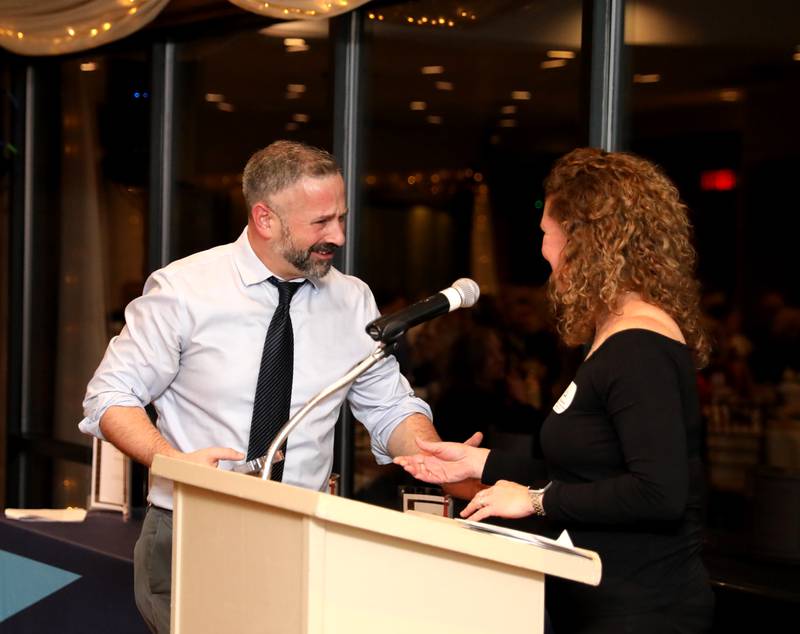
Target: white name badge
(566, 399)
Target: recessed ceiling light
(553, 63)
(432, 70)
(561, 54)
(444, 85)
(731, 95)
(418, 105)
(521, 95)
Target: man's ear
(265, 221)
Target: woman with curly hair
(622, 467)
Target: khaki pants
(152, 569)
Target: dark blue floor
(94, 560)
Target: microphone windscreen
(469, 291)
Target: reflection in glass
(8, 155)
(235, 95)
(88, 228)
(467, 109)
(714, 96)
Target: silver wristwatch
(536, 496)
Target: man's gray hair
(280, 165)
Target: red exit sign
(717, 180)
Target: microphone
(462, 294)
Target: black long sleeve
(619, 453)
(622, 452)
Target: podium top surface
(437, 532)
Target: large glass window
(88, 252)
(714, 92)
(8, 154)
(466, 110)
(235, 94)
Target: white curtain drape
(55, 27)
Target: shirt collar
(252, 270)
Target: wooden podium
(256, 556)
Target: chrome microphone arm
(263, 465)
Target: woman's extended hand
(443, 462)
(504, 499)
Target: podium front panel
(228, 554)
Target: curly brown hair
(627, 231)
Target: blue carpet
(24, 581)
(99, 597)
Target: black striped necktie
(274, 388)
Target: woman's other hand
(504, 499)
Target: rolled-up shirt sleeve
(143, 359)
(382, 397)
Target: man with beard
(197, 344)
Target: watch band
(536, 496)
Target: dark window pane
(235, 95)
(714, 92)
(89, 226)
(466, 110)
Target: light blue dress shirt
(192, 346)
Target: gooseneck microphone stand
(263, 466)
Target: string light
(424, 20)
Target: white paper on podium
(562, 544)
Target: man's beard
(301, 258)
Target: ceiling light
(418, 105)
(553, 63)
(293, 41)
(508, 123)
(730, 95)
(88, 67)
(300, 118)
(521, 95)
(434, 119)
(561, 54)
(651, 78)
(298, 88)
(214, 97)
(444, 85)
(508, 110)
(432, 70)
(225, 106)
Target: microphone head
(469, 291)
